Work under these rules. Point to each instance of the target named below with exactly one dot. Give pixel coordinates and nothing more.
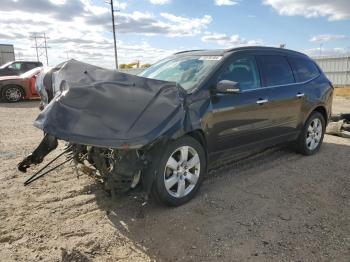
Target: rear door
(285, 97)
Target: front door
(244, 118)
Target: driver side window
(242, 70)
(15, 66)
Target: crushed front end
(110, 120)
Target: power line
(41, 47)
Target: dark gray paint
(110, 109)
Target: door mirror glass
(227, 86)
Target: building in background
(337, 69)
(7, 53)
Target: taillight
(330, 83)
(32, 86)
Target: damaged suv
(162, 128)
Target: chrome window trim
(268, 87)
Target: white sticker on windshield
(210, 57)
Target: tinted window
(242, 70)
(304, 69)
(275, 70)
(30, 66)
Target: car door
(285, 96)
(15, 68)
(239, 119)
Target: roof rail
(250, 47)
(181, 52)
(263, 48)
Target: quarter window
(304, 69)
(275, 70)
(242, 70)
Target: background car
(18, 67)
(15, 88)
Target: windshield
(5, 65)
(31, 73)
(185, 70)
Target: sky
(149, 30)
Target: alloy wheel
(13, 94)
(182, 171)
(314, 134)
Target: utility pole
(36, 48)
(114, 38)
(47, 58)
(41, 45)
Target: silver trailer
(337, 69)
(7, 53)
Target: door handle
(262, 101)
(300, 95)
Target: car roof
(20, 61)
(221, 52)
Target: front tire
(311, 137)
(12, 93)
(179, 171)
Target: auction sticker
(210, 57)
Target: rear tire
(311, 137)
(179, 171)
(12, 93)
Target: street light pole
(114, 38)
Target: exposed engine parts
(119, 170)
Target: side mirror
(227, 86)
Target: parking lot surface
(272, 206)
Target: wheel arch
(199, 136)
(322, 110)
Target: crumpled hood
(110, 109)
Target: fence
(337, 69)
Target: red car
(16, 88)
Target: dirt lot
(273, 206)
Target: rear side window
(304, 69)
(30, 66)
(275, 70)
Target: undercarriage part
(120, 170)
(339, 125)
(47, 144)
(37, 175)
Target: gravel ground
(273, 206)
